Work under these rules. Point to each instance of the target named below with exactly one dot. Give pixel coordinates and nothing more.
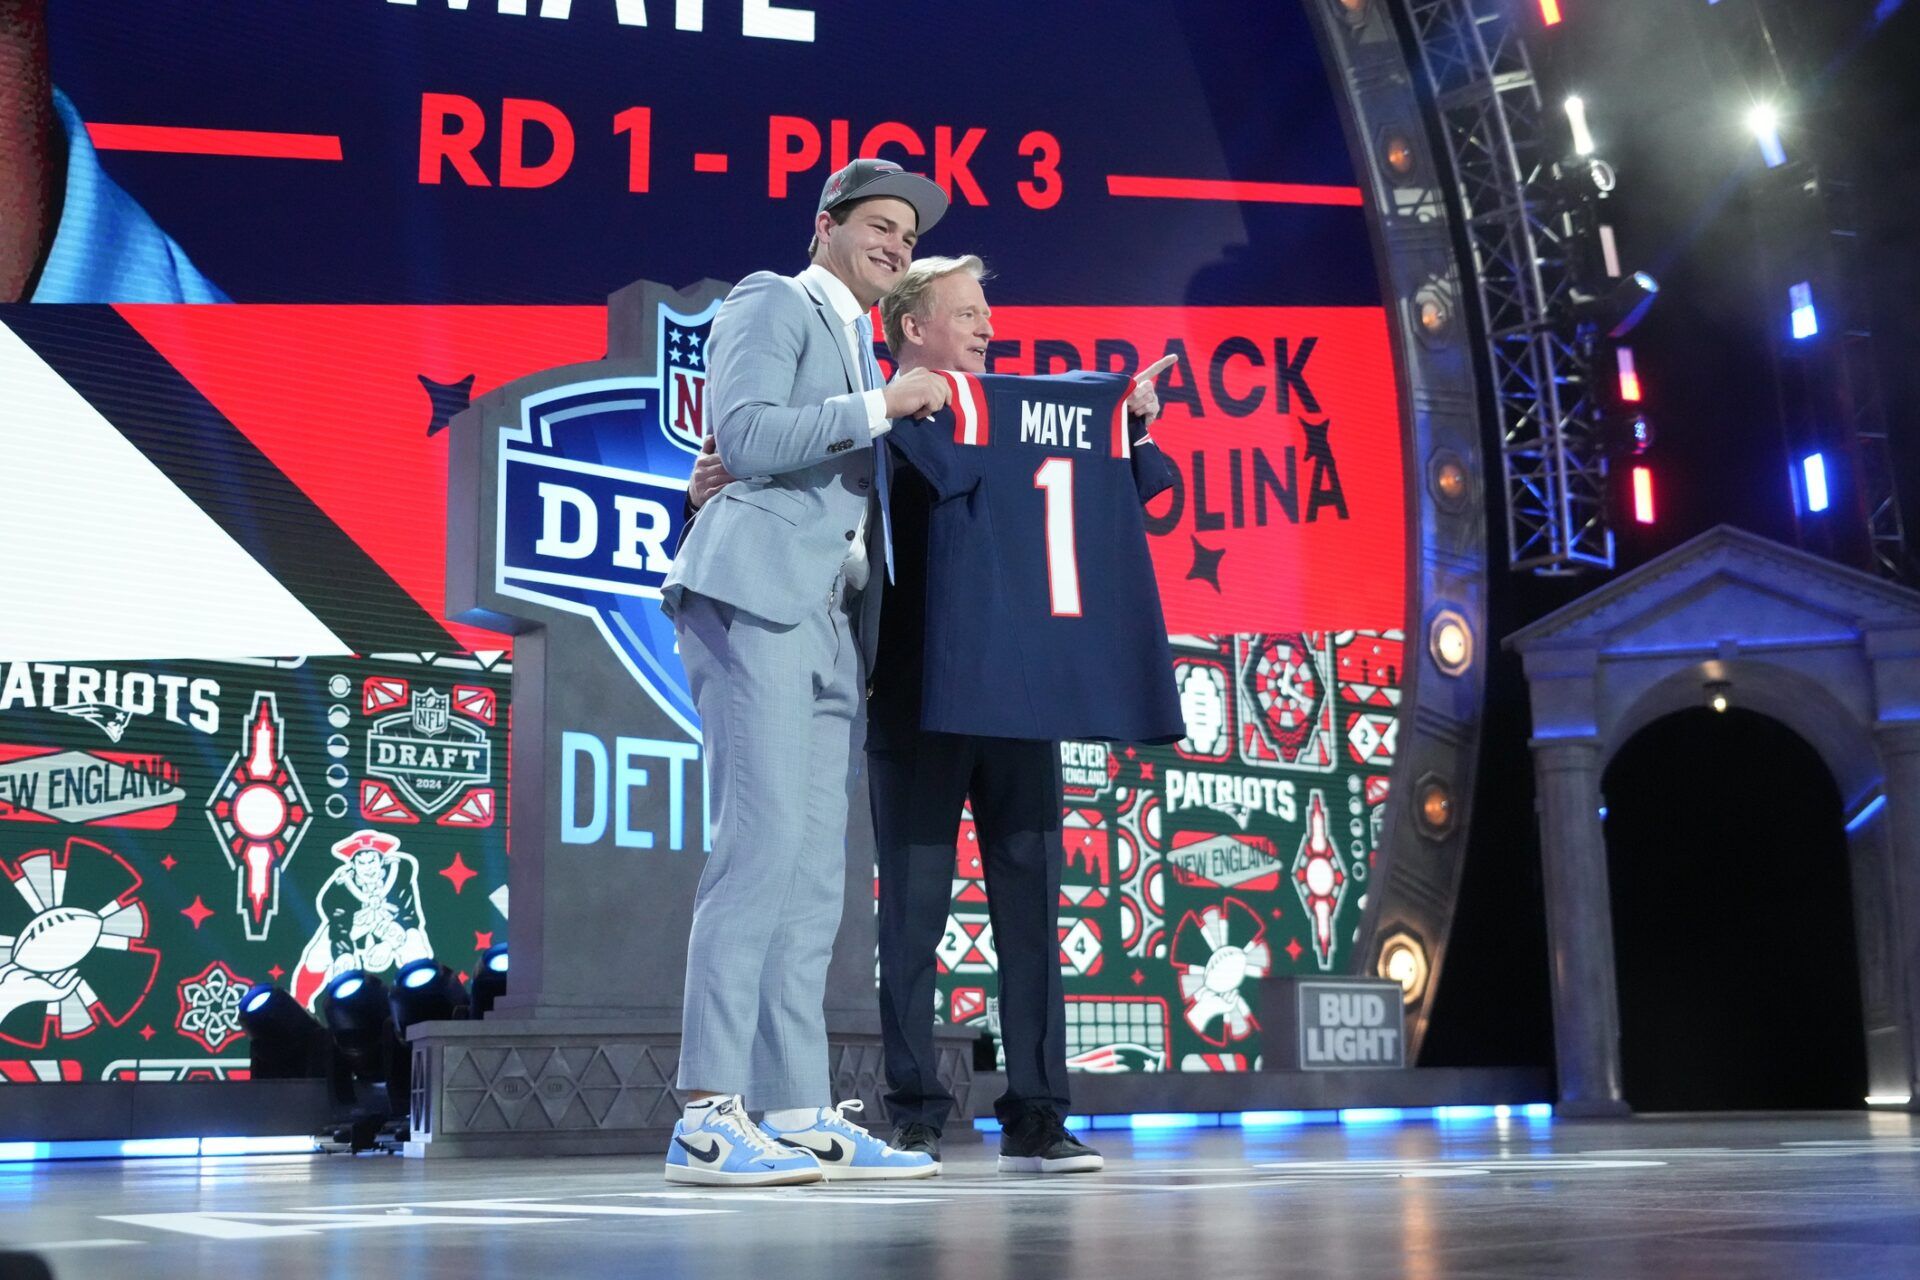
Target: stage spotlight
(1404, 960)
(286, 1043)
(1399, 155)
(1433, 309)
(1450, 641)
(426, 991)
(1577, 119)
(1550, 12)
(354, 1009)
(490, 979)
(1620, 308)
(1433, 807)
(1447, 477)
(1763, 121)
(1717, 691)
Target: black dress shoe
(917, 1137)
(1038, 1142)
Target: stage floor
(1786, 1196)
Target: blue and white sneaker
(848, 1153)
(720, 1146)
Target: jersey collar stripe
(981, 412)
(1120, 444)
(966, 413)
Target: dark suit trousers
(917, 788)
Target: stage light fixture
(1450, 641)
(1432, 311)
(1718, 692)
(426, 991)
(1399, 155)
(1813, 469)
(1550, 14)
(1643, 495)
(1433, 806)
(354, 1009)
(1806, 321)
(1763, 121)
(1447, 478)
(489, 979)
(1629, 376)
(1404, 960)
(1577, 120)
(1354, 11)
(1620, 308)
(285, 1042)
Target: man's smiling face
(956, 325)
(872, 249)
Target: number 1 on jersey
(1055, 479)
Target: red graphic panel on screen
(351, 403)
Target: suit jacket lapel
(836, 332)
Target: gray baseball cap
(864, 179)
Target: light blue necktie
(870, 375)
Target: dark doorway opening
(1732, 919)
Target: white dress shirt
(847, 308)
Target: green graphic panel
(171, 833)
(1195, 870)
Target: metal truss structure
(1524, 239)
(1807, 227)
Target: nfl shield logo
(683, 376)
(430, 713)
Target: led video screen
(286, 244)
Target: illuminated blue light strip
(155, 1148)
(1814, 468)
(1806, 320)
(1866, 813)
(1168, 1121)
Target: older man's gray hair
(909, 297)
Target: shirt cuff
(877, 420)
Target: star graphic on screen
(458, 872)
(1146, 771)
(1206, 564)
(482, 939)
(1294, 949)
(276, 973)
(196, 911)
(169, 862)
(447, 398)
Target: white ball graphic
(56, 939)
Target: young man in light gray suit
(775, 596)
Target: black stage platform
(1830, 1196)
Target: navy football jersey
(1043, 618)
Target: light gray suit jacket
(789, 415)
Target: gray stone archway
(1830, 652)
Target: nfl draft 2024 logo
(593, 480)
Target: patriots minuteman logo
(593, 480)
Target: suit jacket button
(849, 535)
